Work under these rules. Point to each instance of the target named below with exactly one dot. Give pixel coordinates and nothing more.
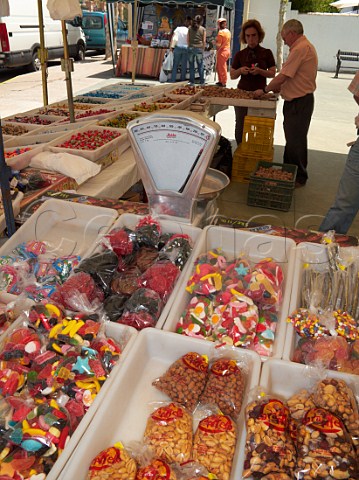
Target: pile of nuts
(314, 435)
(274, 174)
(9, 129)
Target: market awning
(216, 3)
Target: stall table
(148, 61)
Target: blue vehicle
(94, 27)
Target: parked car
(94, 26)
(20, 36)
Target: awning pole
(43, 54)
(67, 66)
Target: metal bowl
(213, 183)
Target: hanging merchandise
(64, 10)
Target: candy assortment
(33, 269)
(233, 302)
(89, 140)
(137, 271)
(52, 368)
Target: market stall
(72, 357)
(157, 22)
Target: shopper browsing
(296, 83)
(342, 213)
(253, 65)
(196, 46)
(179, 47)
(223, 45)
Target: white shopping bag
(64, 9)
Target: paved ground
(331, 129)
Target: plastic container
(258, 246)
(130, 220)
(69, 228)
(22, 160)
(92, 155)
(244, 163)
(9, 126)
(258, 134)
(123, 414)
(126, 336)
(283, 379)
(271, 193)
(304, 251)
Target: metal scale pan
(173, 151)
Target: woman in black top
(254, 64)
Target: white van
(20, 37)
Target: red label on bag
(224, 368)
(195, 361)
(169, 413)
(275, 415)
(216, 424)
(323, 421)
(106, 459)
(157, 470)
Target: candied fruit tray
(91, 142)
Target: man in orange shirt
(223, 45)
(296, 83)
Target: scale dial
(170, 149)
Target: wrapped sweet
(142, 309)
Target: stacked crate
(257, 145)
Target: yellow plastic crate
(245, 163)
(258, 133)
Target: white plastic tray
(130, 221)
(126, 336)
(93, 155)
(21, 161)
(258, 246)
(31, 128)
(123, 414)
(16, 209)
(317, 251)
(283, 379)
(69, 228)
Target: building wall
(328, 32)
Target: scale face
(173, 152)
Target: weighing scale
(173, 151)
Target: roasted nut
(225, 387)
(185, 379)
(214, 445)
(324, 448)
(169, 433)
(335, 396)
(269, 446)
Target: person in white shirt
(179, 47)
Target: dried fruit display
(120, 121)
(31, 119)
(151, 107)
(89, 140)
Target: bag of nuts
(169, 433)
(194, 471)
(185, 379)
(214, 444)
(156, 470)
(113, 462)
(324, 448)
(225, 386)
(269, 446)
(336, 396)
